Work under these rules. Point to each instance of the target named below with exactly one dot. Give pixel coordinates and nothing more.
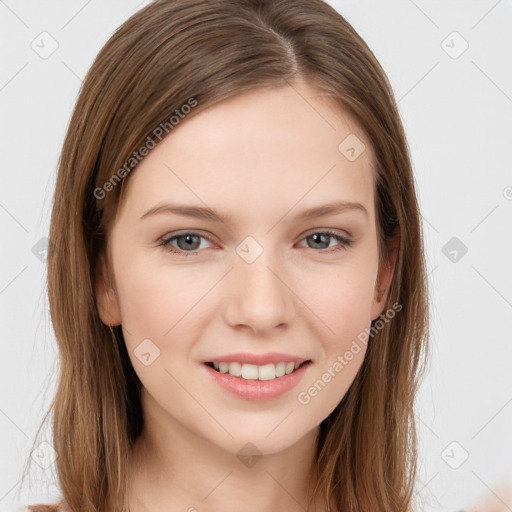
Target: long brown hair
(182, 52)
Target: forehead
(261, 148)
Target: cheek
(156, 300)
(340, 298)
(339, 304)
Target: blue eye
(344, 243)
(191, 240)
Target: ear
(106, 298)
(384, 278)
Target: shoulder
(41, 508)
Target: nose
(258, 297)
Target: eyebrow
(206, 213)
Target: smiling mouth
(255, 372)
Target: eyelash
(345, 243)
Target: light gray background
(457, 112)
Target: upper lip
(258, 359)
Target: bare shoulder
(42, 507)
(499, 499)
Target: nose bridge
(258, 297)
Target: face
(266, 279)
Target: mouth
(266, 372)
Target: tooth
(249, 371)
(267, 372)
(280, 369)
(289, 367)
(235, 369)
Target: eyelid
(192, 231)
(332, 231)
(345, 240)
(177, 234)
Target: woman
(274, 365)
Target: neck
(172, 468)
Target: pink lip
(258, 359)
(253, 389)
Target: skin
(263, 157)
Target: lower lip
(252, 389)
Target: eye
(322, 237)
(185, 241)
(189, 242)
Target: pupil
(318, 235)
(189, 239)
